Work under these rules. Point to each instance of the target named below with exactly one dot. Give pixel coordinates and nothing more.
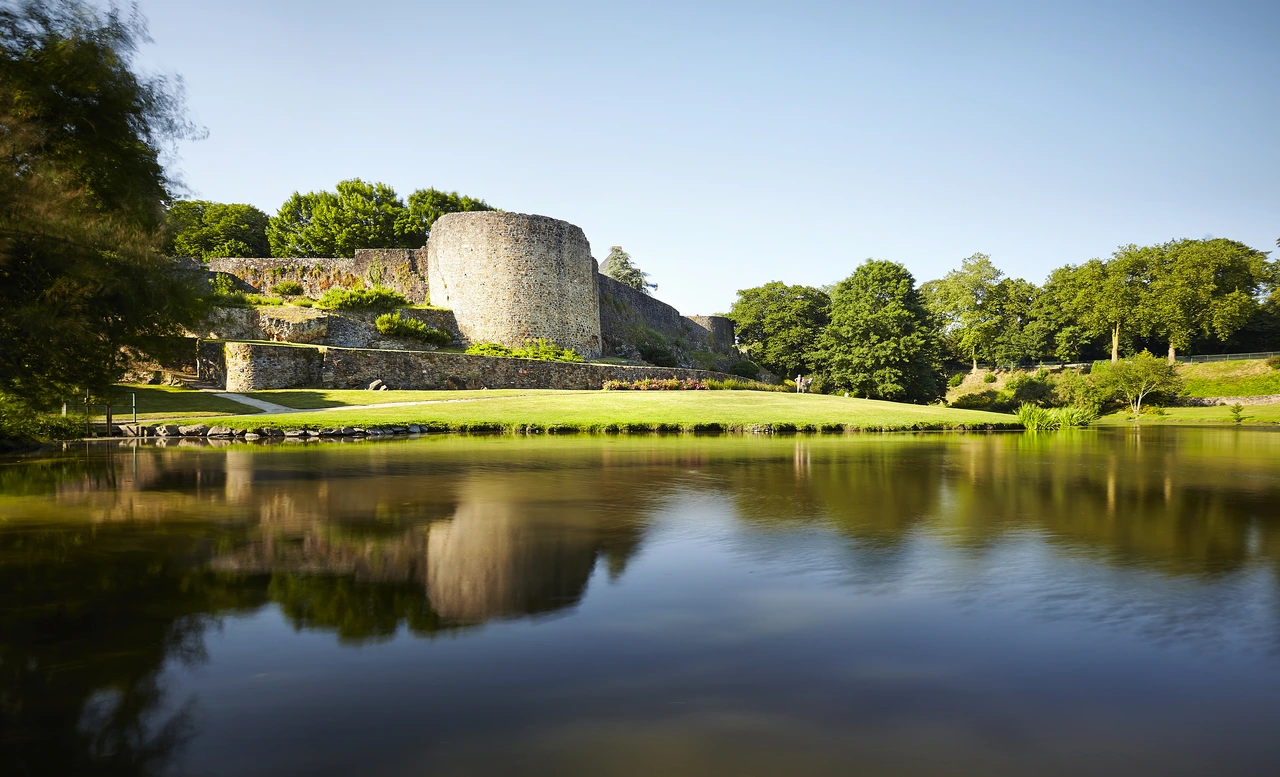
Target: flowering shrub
(656, 384)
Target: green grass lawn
(1254, 415)
(317, 399)
(169, 401)
(1246, 378)
(598, 410)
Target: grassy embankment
(169, 401)
(612, 410)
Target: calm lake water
(1100, 602)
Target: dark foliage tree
(618, 265)
(778, 325)
(84, 281)
(881, 342)
(203, 230)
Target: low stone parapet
(1264, 399)
(257, 366)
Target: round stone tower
(512, 277)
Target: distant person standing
(799, 383)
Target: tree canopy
(618, 265)
(359, 215)
(777, 325)
(881, 342)
(84, 281)
(203, 230)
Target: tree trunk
(1115, 344)
(975, 362)
(1173, 354)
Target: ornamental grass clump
(656, 384)
(287, 289)
(377, 298)
(1039, 419)
(395, 325)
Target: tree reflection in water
(114, 565)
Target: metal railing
(108, 408)
(1228, 357)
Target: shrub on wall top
(745, 368)
(377, 298)
(541, 349)
(395, 325)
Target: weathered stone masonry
(400, 269)
(513, 277)
(256, 367)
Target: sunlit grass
(623, 410)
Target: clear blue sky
(729, 145)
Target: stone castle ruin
(488, 276)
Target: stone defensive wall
(258, 366)
(514, 277)
(624, 310)
(503, 277)
(400, 269)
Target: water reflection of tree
(88, 619)
(1151, 505)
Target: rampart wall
(624, 311)
(400, 269)
(513, 277)
(256, 366)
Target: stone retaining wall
(1265, 399)
(343, 328)
(254, 366)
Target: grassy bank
(634, 410)
(1251, 378)
(168, 401)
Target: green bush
(657, 354)
(745, 368)
(394, 325)
(1273, 362)
(287, 289)
(955, 380)
(20, 423)
(490, 349)
(978, 400)
(989, 378)
(303, 302)
(1030, 388)
(377, 298)
(540, 349)
(260, 300)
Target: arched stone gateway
(513, 277)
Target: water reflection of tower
(506, 552)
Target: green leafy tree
(779, 324)
(965, 302)
(1114, 297)
(1204, 288)
(427, 205)
(1138, 377)
(1055, 328)
(205, 230)
(618, 265)
(881, 342)
(357, 215)
(84, 281)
